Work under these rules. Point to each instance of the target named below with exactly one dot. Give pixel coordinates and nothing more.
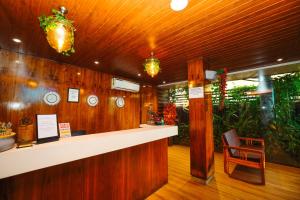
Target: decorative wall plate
(92, 100)
(51, 98)
(120, 102)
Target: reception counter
(127, 164)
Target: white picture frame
(47, 128)
(73, 95)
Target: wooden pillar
(201, 124)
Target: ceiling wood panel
(120, 34)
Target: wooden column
(201, 124)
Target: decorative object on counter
(170, 114)
(59, 31)
(150, 115)
(154, 118)
(51, 98)
(47, 128)
(78, 132)
(7, 140)
(159, 120)
(152, 65)
(73, 95)
(92, 100)
(64, 130)
(25, 135)
(120, 102)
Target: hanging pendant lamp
(59, 31)
(152, 65)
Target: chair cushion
(231, 139)
(250, 156)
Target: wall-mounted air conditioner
(119, 84)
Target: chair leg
(263, 181)
(226, 167)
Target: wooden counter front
(131, 173)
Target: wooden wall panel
(148, 99)
(132, 173)
(25, 79)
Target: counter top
(18, 161)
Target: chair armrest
(250, 140)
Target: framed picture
(47, 128)
(73, 95)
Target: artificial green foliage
(241, 112)
(183, 134)
(50, 22)
(285, 128)
(244, 113)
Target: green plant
(285, 128)
(240, 112)
(183, 134)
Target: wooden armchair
(248, 152)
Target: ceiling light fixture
(279, 59)
(59, 31)
(164, 82)
(96, 62)
(178, 5)
(139, 74)
(16, 40)
(152, 65)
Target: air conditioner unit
(119, 84)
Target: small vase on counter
(25, 134)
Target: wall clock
(120, 102)
(92, 100)
(51, 98)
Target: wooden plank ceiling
(121, 33)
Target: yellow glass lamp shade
(60, 37)
(59, 31)
(152, 66)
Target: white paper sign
(47, 126)
(196, 92)
(64, 130)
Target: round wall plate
(120, 102)
(92, 100)
(51, 98)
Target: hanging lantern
(152, 65)
(59, 31)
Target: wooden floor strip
(282, 182)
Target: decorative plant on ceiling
(152, 65)
(59, 31)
